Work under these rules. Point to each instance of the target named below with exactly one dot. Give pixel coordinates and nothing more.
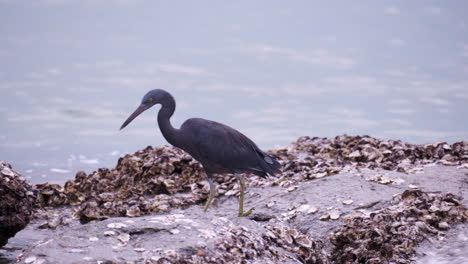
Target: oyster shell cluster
(156, 179)
(391, 234)
(237, 244)
(369, 152)
(16, 203)
(311, 157)
(150, 180)
(388, 235)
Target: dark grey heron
(219, 148)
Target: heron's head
(151, 98)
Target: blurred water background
(72, 71)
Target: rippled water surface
(71, 72)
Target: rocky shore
(348, 199)
(17, 200)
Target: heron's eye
(149, 100)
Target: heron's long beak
(137, 112)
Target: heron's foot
(246, 213)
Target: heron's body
(218, 147)
(222, 149)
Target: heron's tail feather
(269, 165)
(275, 165)
(266, 165)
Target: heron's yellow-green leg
(212, 194)
(241, 199)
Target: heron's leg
(212, 192)
(241, 198)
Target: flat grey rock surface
(316, 207)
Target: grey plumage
(218, 147)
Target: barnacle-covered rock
(304, 247)
(50, 195)
(390, 235)
(311, 158)
(151, 180)
(157, 179)
(238, 244)
(385, 154)
(16, 202)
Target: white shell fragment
(307, 209)
(334, 214)
(124, 237)
(320, 175)
(312, 210)
(93, 239)
(174, 231)
(109, 233)
(348, 202)
(380, 179)
(116, 225)
(30, 259)
(443, 225)
(303, 208)
(8, 172)
(325, 217)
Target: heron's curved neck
(170, 133)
